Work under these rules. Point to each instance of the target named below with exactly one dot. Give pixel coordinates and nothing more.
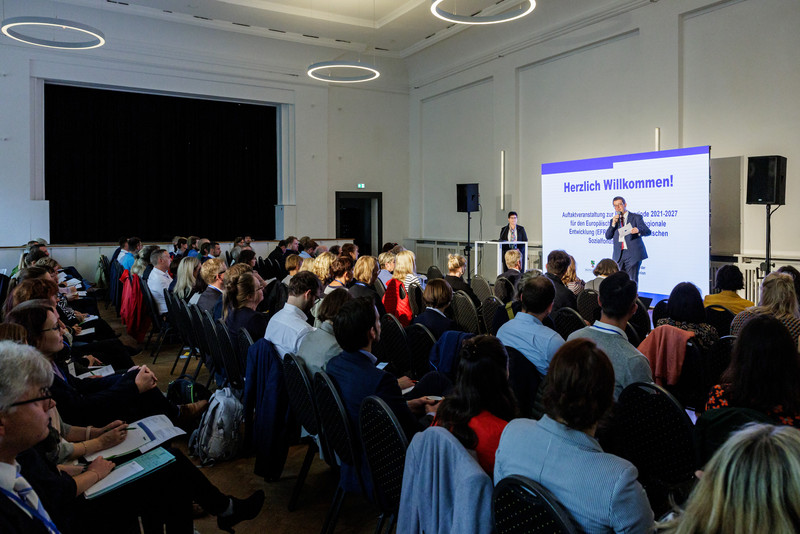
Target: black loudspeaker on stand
(467, 200)
(766, 184)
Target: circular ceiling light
(489, 19)
(11, 27)
(345, 70)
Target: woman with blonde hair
(395, 298)
(571, 279)
(321, 266)
(188, 269)
(365, 273)
(456, 265)
(405, 269)
(242, 296)
(750, 486)
(779, 300)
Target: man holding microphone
(626, 231)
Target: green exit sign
(362, 186)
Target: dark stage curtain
(121, 164)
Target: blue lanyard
(609, 330)
(35, 513)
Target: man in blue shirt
(525, 332)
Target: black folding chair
(567, 321)
(489, 308)
(524, 379)
(385, 446)
(633, 335)
(521, 505)
(641, 320)
(720, 318)
(465, 314)
(304, 406)
(660, 311)
(179, 316)
(160, 325)
(504, 290)
(415, 299)
(481, 288)
(394, 345)
(337, 429)
(380, 289)
(657, 436)
(588, 306)
(717, 360)
(434, 272)
(229, 350)
(215, 351)
(420, 341)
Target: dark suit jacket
(521, 235)
(358, 290)
(435, 322)
(564, 297)
(357, 379)
(458, 284)
(210, 297)
(633, 242)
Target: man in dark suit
(213, 273)
(557, 263)
(513, 232)
(513, 261)
(629, 251)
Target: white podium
(487, 257)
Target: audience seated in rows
(729, 280)
(307, 247)
(777, 299)
(557, 264)
(685, 311)
(319, 345)
(405, 270)
(193, 249)
(242, 296)
(351, 250)
(511, 309)
(292, 265)
(513, 263)
(618, 304)
(321, 267)
(481, 404)
(213, 273)
(188, 272)
(365, 273)
(526, 332)
(287, 328)
(604, 267)
(159, 278)
(387, 261)
(571, 279)
(438, 296)
(127, 256)
(342, 271)
(599, 490)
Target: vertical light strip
(502, 179)
(658, 139)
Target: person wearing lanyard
(618, 304)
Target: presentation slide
(669, 189)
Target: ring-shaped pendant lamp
(11, 28)
(315, 71)
(489, 19)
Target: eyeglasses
(56, 328)
(45, 392)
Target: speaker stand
(468, 248)
(766, 267)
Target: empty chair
(656, 435)
(520, 504)
(588, 306)
(336, 426)
(415, 299)
(434, 272)
(466, 316)
(420, 342)
(160, 325)
(394, 345)
(488, 309)
(567, 321)
(385, 447)
(481, 288)
(720, 318)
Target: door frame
(371, 195)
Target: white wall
(156, 55)
(597, 85)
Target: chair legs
(333, 513)
(301, 477)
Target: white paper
(159, 426)
(61, 277)
(407, 390)
(105, 370)
(117, 475)
(89, 317)
(86, 332)
(73, 282)
(82, 294)
(625, 230)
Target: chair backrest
(465, 314)
(152, 307)
(524, 379)
(588, 306)
(394, 345)
(420, 341)
(434, 272)
(720, 318)
(335, 423)
(660, 311)
(718, 358)
(633, 335)
(385, 446)
(245, 341)
(520, 504)
(504, 290)
(212, 343)
(489, 308)
(380, 289)
(656, 435)
(481, 287)
(641, 320)
(301, 393)
(179, 316)
(415, 299)
(567, 321)
(229, 351)
(691, 389)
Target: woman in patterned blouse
(685, 311)
(764, 373)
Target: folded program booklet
(143, 435)
(130, 471)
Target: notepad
(143, 435)
(130, 471)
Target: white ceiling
(396, 28)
